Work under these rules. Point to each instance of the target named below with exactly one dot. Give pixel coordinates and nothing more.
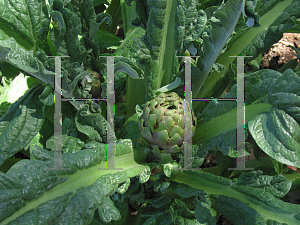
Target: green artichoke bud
(162, 123)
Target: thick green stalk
(215, 189)
(212, 128)
(135, 94)
(158, 71)
(228, 15)
(160, 34)
(135, 88)
(167, 48)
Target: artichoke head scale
(162, 123)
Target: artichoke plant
(162, 123)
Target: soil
(279, 54)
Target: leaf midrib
(219, 189)
(235, 49)
(167, 47)
(81, 178)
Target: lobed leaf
(246, 203)
(220, 27)
(33, 192)
(25, 21)
(21, 123)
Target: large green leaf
(183, 215)
(275, 18)
(250, 199)
(272, 111)
(221, 25)
(107, 40)
(33, 193)
(4, 107)
(93, 125)
(277, 134)
(21, 123)
(211, 129)
(65, 36)
(170, 26)
(218, 112)
(26, 22)
(12, 53)
(71, 144)
(283, 14)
